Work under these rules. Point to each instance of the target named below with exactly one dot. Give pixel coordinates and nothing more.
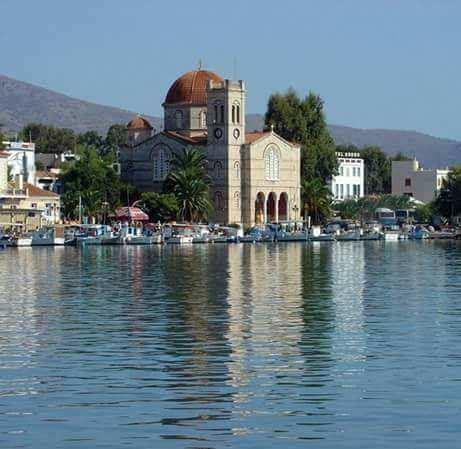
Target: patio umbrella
(131, 214)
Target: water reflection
(227, 345)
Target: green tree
(448, 201)
(377, 170)
(49, 139)
(91, 139)
(116, 137)
(160, 207)
(189, 183)
(39, 166)
(424, 213)
(400, 157)
(303, 121)
(316, 197)
(92, 178)
(348, 209)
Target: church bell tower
(226, 135)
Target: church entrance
(259, 208)
(271, 208)
(283, 207)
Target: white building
(408, 178)
(21, 160)
(349, 183)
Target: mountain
(22, 103)
(431, 152)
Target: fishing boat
(45, 237)
(20, 241)
(349, 236)
(134, 235)
(391, 235)
(90, 235)
(418, 233)
(179, 234)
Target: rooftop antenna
(199, 64)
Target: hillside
(432, 152)
(22, 103)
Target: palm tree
(316, 199)
(189, 183)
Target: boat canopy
(131, 214)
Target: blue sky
(377, 64)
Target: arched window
(217, 170)
(272, 164)
(161, 164)
(178, 119)
(221, 110)
(237, 200)
(238, 114)
(233, 114)
(237, 169)
(203, 119)
(215, 114)
(218, 201)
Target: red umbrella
(131, 214)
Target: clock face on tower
(236, 133)
(218, 133)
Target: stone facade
(255, 177)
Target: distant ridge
(22, 103)
(432, 152)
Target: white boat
(419, 233)
(144, 239)
(214, 238)
(372, 236)
(351, 236)
(296, 236)
(181, 239)
(391, 236)
(322, 238)
(96, 235)
(21, 241)
(45, 237)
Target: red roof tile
(38, 192)
(190, 88)
(192, 140)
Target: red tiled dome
(138, 122)
(190, 88)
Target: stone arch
(283, 207)
(237, 200)
(218, 201)
(272, 162)
(178, 119)
(260, 206)
(217, 170)
(237, 169)
(160, 157)
(271, 207)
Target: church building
(255, 176)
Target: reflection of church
(255, 176)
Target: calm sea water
(344, 345)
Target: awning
(131, 214)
